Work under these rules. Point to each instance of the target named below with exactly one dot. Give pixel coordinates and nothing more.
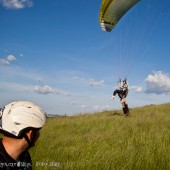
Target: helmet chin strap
(30, 143)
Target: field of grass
(106, 141)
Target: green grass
(106, 141)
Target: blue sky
(55, 54)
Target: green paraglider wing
(111, 12)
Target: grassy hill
(106, 141)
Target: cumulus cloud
(45, 89)
(93, 82)
(136, 88)
(48, 89)
(16, 4)
(158, 83)
(4, 61)
(7, 60)
(11, 58)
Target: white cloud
(16, 4)
(93, 82)
(158, 83)
(90, 82)
(7, 60)
(10, 58)
(4, 61)
(48, 89)
(136, 88)
(45, 90)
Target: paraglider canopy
(111, 12)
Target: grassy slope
(106, 140)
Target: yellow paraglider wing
(111, 12)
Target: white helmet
(20, 115)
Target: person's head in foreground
(20, 123)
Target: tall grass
(106, 141)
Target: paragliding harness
(123, 92)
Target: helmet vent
(17, 123)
